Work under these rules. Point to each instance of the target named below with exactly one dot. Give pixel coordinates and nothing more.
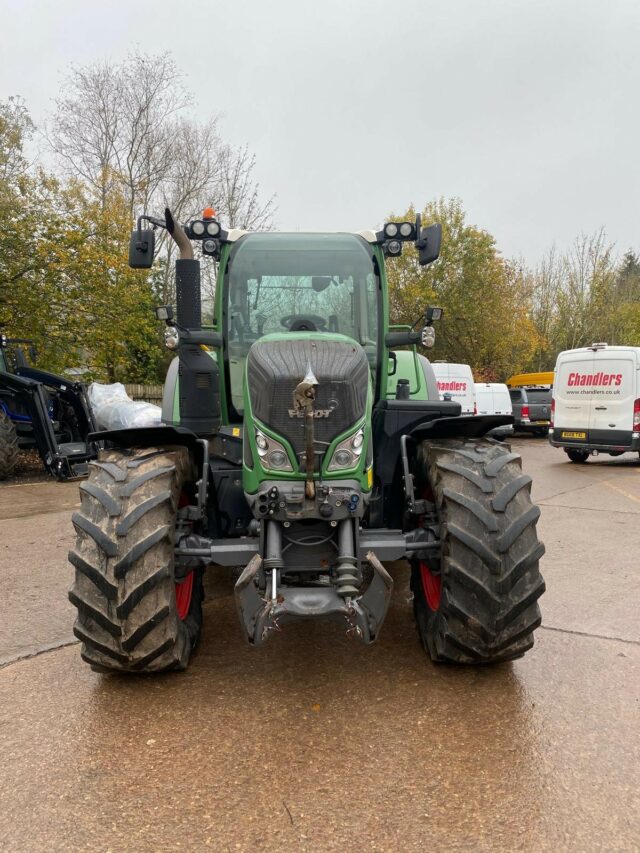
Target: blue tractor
(44, 412)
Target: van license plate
(566, 434)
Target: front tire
(475, 602)
(8, 446)
(133, 614)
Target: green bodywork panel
(253, 477)
(408, 367)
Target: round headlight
(277, 459)
(343, 458)
(197, 228)
(261, 441)
(394, 247)
(428, 336)
(405, 229)
(358, 438)
(391, 229)
(171, 337)
(209, 246)
(213, 229)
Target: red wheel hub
(431, 586)
(184, 591)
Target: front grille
(276, 367)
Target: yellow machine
(526, 380)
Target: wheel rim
(431, 586)
(184, 589)
(184, 593)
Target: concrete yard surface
(316, 743)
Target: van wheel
(579, 456)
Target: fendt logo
(317, 413)
(592, 379)
(452, 385)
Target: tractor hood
(276, 365)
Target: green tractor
(303, 444)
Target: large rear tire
(133, 616)
(8, 446)
(476, 601)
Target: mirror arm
(399, 339)
(201, 336)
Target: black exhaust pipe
(199, 374)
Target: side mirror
(141, 248)
(429, 244)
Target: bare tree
(124, 125)
(16, 128)
(114, 124)
(238, 194)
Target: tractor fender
(154, 436)
(463, 426)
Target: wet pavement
(316, 743)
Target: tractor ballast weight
(301, 446)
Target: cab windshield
(299, 283)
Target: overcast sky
(525, 109)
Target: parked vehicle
(596, 401)
(531, 401)
(492, 398)
(286, 450)
(456, 382)
(42, 411)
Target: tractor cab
(276, 284)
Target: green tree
(486, 300)
(64, 278)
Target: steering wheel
(304, 323)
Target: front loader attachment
(26, 398)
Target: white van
(493, 398)
(596, 401)
(456, 380)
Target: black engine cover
(276, 367)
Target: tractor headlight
(213, 229)
(197, 228)
(272, 454)
(347, 453)
(390, 229)
(407, 229)
(171, 337)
